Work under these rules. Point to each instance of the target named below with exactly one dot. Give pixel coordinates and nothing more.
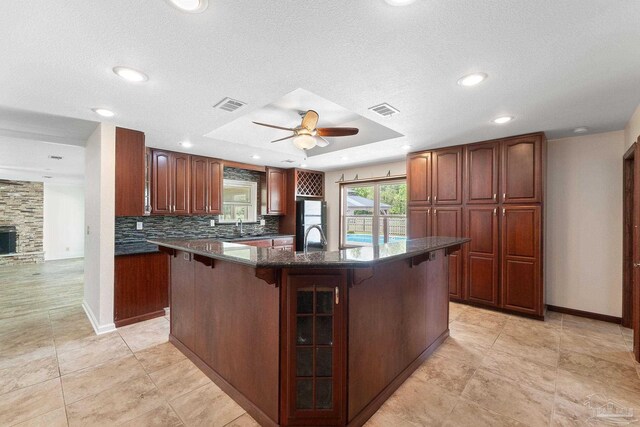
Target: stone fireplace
(8, 237)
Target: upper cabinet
(481, 175)
(130, 173)
(419, 178)
(521, 160)
(447, 176)
(276, 192)
(171, 183)
(206, 185)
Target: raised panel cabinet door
(447, 176)
(419, 222)
(481, 226)
(183, 299)
(447, 221)
(522, 259)
(161, 183)
(199, 185)
(181, 182)
(419, 178)
(276, 191)
(481, 177)
(215, 176)
(314, 370)
(521, 162)
(130, 172)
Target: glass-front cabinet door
(315, 372)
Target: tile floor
(494, 370)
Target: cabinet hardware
(504, 212)
(495, 197)
(435, 198)
(429, 212)
(504, 196)
(495, 211)
(429, 199)
(337, 295)
(435, 212)
(636, 264)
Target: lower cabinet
(141, 287)
(314, 311)
(482, 252)
(419, 222)
(447, 221)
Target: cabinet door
(199, 185)
(181, 182)
(315, 350)
(481, 178)
(419, 222)
(481, 226)
(183, 299)
(161, 183)
(521, 259)
(215, 182)
(447, 176)
(522, 170)
(447, 221)
(130, 172)
(276, 191)
(419, 178)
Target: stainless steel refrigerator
(308, 213)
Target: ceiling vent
(288, 161)
(229, 104)
(384, 110)
(55, 157)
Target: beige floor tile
(243, 421)
(159, 356)
(87, 382)
(178, 379)
(384, 417)
(450, 374)
(576, 388)
(145, 334)
(470, 353)
(30, 402)
(455, 310)
(521, 370)
(568, 413)
(490, 320)
(473, 334)
(613, 350)
(91, 352)
(590, 328)
(206, 406)
(467, 413)
(518, 401)
(590, 366)
(116, 405)
(534, 347)
(23, 374)
(56, 418)
(162, 416)
(553, 317)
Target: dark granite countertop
(346, 258)
(135, 248)
(248, 238)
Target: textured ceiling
(554, 65)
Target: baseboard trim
(99, 329)
(587, 314)
(141, 318)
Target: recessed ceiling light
(472, 79)
(255, 156)
(406, 147)
(103, 112)
(304, 165)
(502, 120)
(185, 144)
(399, 2)
(581, 129)
(131, 75)
(191, 6)
(344, 158)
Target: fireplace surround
(8, 238)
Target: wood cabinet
(130, 173)
(206, 185)
(521, 160)
(482, 254)
(447, 221)
(276, 192)
(447, 176)
(419, 179)
(171, 182)
(522, 259)
(141, 287)
(481, 173)
(183, 299)
(419, 219)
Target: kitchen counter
(269, 258)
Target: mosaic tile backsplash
(191, 227)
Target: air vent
(55, 157)
(288, 161)
(384, 110)
(47, 176)
(228, 104)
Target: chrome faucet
(323, 239)
(240, 226)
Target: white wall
(332, 192)
(63, 221)
(100, 227)
(583, 247)
(632, 130)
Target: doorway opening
(631, 245)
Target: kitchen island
(319, 338)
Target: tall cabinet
(493, 193)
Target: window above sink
(240, 201)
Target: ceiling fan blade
(282, 139)
(336, 131)
(310, 120)
(321, 142)
(273, 126)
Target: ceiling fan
(307, 135)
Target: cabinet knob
(636, 264)
(504, 212)
(495, 211)
(435, 198)
(504, 196)
(429, 199)
(495, 197)
(337, 295)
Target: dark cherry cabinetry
(183, 299)
(130, 173)
(499, 186)
(276, 192)
(206, 185)
(170, 183)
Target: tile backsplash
(191, 227)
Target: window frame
(253, 204)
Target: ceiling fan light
(304, 142)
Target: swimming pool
(367, 238)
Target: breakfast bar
(318, 338)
